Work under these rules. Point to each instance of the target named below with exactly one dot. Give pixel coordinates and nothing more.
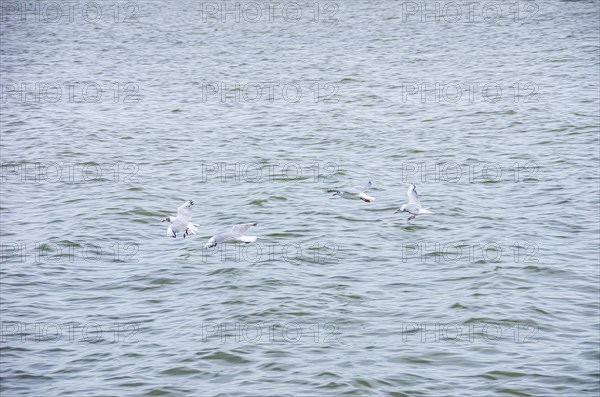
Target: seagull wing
(413, 197)
(192, 228)
(184, 213)
(219, 239)
(359, 188)
(239, 230)
(223, 238)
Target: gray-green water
(496, 293)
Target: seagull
(354, 193)
(414, 204)
(182, 222)
(235, 234)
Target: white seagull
(357, 192)
(235, 234)
(414, 204)
(182, 222)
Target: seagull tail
(248, 239)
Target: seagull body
(235, 234)
(182, 223)
(357, 192)
(414, 204)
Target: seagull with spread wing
(356, 192)
(235, 234)
(414, 204)
(182, 223)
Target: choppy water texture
(505, 301)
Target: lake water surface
(111, 121)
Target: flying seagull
(182, 222)
(235, 234)
(357, 192)
(414, 204)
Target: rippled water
(496, 293)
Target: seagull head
(167, 219)
(189, 203)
